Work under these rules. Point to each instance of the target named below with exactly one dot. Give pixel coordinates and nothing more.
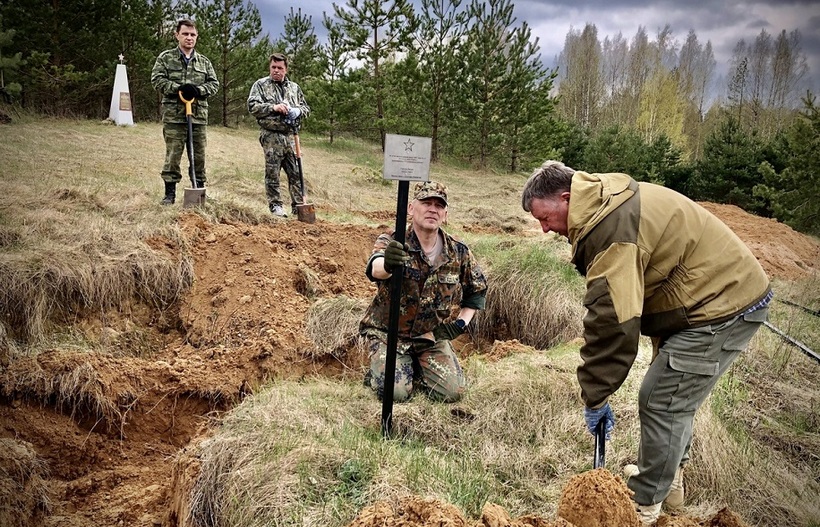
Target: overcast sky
(723, 23)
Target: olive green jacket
(267, 93)
(655, 263)
(170, 72)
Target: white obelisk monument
(120, 111)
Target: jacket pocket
(447, 292)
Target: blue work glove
(395, 256)
(593, 416)
(294, 113)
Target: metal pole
(599, 461)
(393, 320)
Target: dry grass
(24, 497)
(79, 200)
(333, 324)
(535, 295)
(322, 441)
(67, 383)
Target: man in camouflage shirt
(279, 107)
(439, 274)
(183, 71)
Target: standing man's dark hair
(180, 73)
(658, 264)
(279, 107)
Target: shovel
(600, 445)
(304, 211)
(193, 197)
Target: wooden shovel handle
(188, 103)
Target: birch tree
(638, 71)
(580, 68)
(615, 56)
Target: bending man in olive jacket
(658, 264)
(176, 70)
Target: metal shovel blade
(193, 197)
(306, 212)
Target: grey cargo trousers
(687, 367)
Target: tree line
(466, 73)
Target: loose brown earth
(241, 323)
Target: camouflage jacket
(265, 94)
(170, 72)
(428, 293)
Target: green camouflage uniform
(427, 298)
(276, 136)
(169, 73)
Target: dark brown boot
(170, 194)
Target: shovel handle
(599, 461)
(189, 115)
(297, 146)
(187, 102)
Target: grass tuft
(333, 324)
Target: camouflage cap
(431, 189)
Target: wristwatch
(461, 323)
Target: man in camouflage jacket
(279, 107)
(439, 274)
(182, 70)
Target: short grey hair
(551, 178)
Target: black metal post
(393, 320)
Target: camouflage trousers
(433, 367)
(279, 154)
(176, 142)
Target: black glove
(448, 330)
(395, 256)
(189, 92)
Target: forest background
(467, 74)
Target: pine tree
(441, 30)
(377, 32)
(792, 191)
(230, 36)
(9, 64)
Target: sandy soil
(242, 323)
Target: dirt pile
(106, 424)
(783, 252)
(596, 498)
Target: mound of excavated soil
(107, 423)
(783, 252)
(596, 498)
